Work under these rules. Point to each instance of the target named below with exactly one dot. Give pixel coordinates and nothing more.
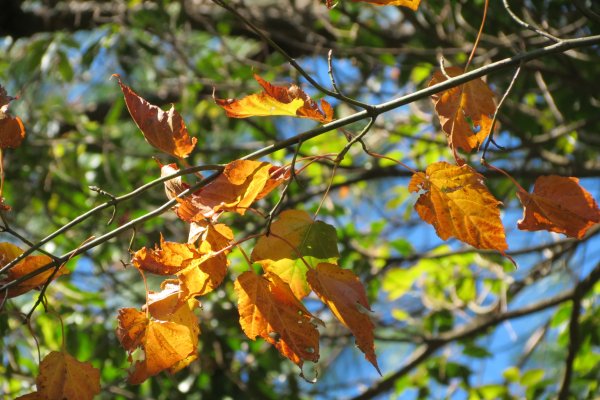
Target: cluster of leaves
(298, 254)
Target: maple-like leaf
(240, 184)
(341, 290)
(277, 100)
(63, 377)
(558, 204)
(465, 112)
(457, 203)
(296, 237)
(168, 338)
(269, 309)
(164, 130)
(12, 131)
(29, 264)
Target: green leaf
(532, 377)
(511, 374)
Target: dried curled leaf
(296, 239)
(164, 130)
(465, 112)
(12, 131)
(457, 203)
(168, 338)
(344, 294)
(241, 183)
(277, 100)
(29, 264)
(558, 204)
(63, 377)
(269, 309)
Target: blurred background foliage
(451, 322)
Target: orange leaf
(457, 203)
(345, 296)
(12, 131)
(29, 264)
(296, 235)
(3, 205)
(269, 309)
(168, 259)
(412, 4)
(63, 377)
(218, 236)
(235, 190)
(558, 204)
(164, 130)
(277, 100)
(465, 111)
(165, 343)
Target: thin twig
(529, 26)
(490, 137)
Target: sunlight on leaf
(12, 131)
(558, 204)
(63, 377)
(457, 203)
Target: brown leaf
(164, 130)
(558, 204)
(457, 203)
(269, 309)
(168, 259)
(277, 100)
(166, 343)
(63, 377)
(344, 294)
(465, 111)
(29, 264)
(12, 131)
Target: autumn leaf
(341, 290)
(240, 184)
(3, 205)
(12, 131)
(218, 236)
(277, 100)
(295, 239)
(465, 112)
(29, 264)
(166, 338)
(558, 204)
(269, 309)
(164, 130)
(197, 268)
(456, 202)
(64, 377)
(412, 4)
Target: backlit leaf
(345, 296)
(465, 111)
(412, 4)
(63, 377)
(167, 338)
(558, 204)
(29, 264)
(296, 236)
(168, 259)
(164, 130)
(456, 202)
(269, 309)
(235, 190)
(12, 131)
(277, 100)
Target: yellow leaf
(269, 309)
(341, 290)
(63, 377)
(412, 4)
(277, 100)
(465, 111)
(457, 203)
